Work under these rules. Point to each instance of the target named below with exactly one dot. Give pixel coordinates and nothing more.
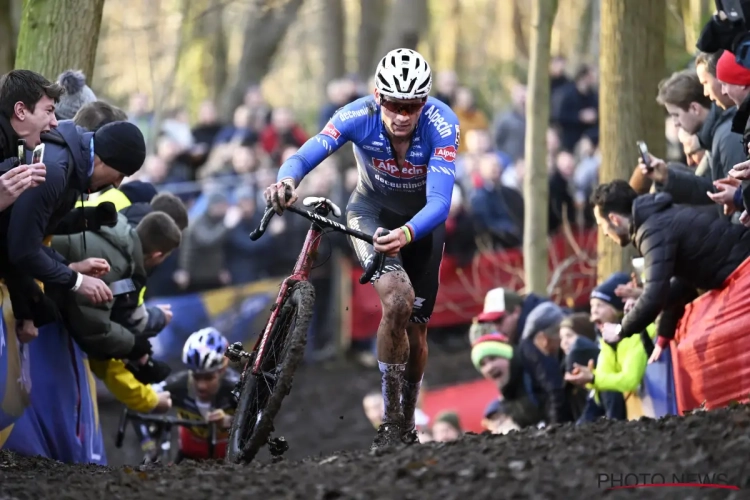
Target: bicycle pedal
(277, 446)
(236, 353)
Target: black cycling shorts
(420, 259)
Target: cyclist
(405, 146)
(203, 392)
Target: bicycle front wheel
(261, 395)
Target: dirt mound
(559, 462)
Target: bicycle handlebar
(163, 420)
(371, 269)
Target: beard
(624, 240)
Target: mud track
(560, 462)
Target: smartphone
(733, 10)
(38, 155)
(21, 151)
(638, 267)
(643, 151)
(122, 287)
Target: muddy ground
(323, 413)
(560, 462)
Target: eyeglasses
(402, 107)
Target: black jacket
(684, 248)
(8, 145)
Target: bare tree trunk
(596, 28)
(372, 16)
(535, 184)
(265, 29)
(631, 65)
(583, 34)
(332, 34)
(56, 35)
(7, 37)
(405, 25)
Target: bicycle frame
(304, 262)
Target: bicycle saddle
(311, 201)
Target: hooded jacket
(691, 244)
(95, 331)
(725, 151)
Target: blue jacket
(37, 211)
(491, 212)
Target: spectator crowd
(102, 209)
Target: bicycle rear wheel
(261, 396)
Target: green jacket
(91, 325)
(621, 368)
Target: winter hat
(494, 344)
(77, 94)
(496, 303)
(542, 317)
(120, 145)
(606, 290)
(449, 417)
(139, 191)
(728, 71)
(496, 406)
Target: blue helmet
(204, 350)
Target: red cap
(728, 71)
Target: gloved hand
(141, 347)
(152, 372)
(105, 214)
(83, 219)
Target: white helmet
(403, 74)
(204, 350)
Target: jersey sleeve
(441, 174)
(335, 134)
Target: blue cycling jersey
(421, 188)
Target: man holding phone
(102, 331)
(27, 103)
(682, 95)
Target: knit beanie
(77, 94)
(120, 145)
(728, 71)
(540, 318)
(494, 344)
(606, 290)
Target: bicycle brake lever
(377, 263)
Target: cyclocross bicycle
(269, 368)
(160, 428)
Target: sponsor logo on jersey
(408, 171)
(417, 153)
(331, 131)
(372, 148)
(447, 153)
(377, 143)
(441, 125)
(348, 115)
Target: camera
(728, 34)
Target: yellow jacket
(621, 368)
(123, 385)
